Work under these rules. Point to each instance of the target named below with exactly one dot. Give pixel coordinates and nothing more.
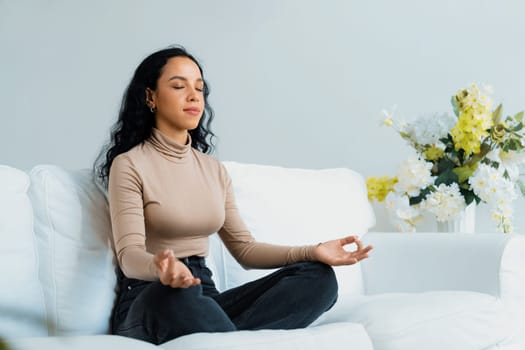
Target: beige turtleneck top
(163, 194)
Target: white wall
(294, 83)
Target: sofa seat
(338, 335)
(449, 320)
(79, 342)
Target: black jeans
(291, 297)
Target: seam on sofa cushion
(37, 258)
(53, 325)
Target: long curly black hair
(135, 121)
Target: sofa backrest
(22, 309)
(295, 206)
(72, 227)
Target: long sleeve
(127, 220)
(245, 249)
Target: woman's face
(179, 96)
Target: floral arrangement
(472, 157)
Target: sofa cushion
(22, 310)
(101, 342)
(72, 225)
(452, 320)
(343, 335)
(299, 206)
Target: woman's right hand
(172, 272)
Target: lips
(193, 110)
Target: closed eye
(182, 87)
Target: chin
(194, 126)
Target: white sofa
(416, 291)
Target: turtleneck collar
(170, 148)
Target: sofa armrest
(487, 263)
(493, 264)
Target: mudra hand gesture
(332, 252)
(172, 272)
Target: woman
(167, 195)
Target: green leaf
(447, 177)
(464, 172)
(469, 197)
(455, 106)
(3, 345)
(422, 195)
(522, 187)
(496, 115)
(519, 116)
(444, 165)
(518, 127)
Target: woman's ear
(150, 97)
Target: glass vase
(465, 222)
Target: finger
(158, 257)
(345, 259)
(348, 240)
(350, 261)
(179, 281)
(171, 268)
(361, 257)
(160, 262)
(188, 282)
(359, 245)
(364, 253)
(365, 250)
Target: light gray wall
(294, 83)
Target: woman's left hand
(332, 252)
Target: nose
(193, 95)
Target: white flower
(512, 157)
(489, 184)
(512, 161)
(493, 155)
(401, 214)
(400, 206)
(389, 116)
(502, 215)
(414, 174)
(428, 130)
(446, 202)
(508, 160)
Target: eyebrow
(183, 78)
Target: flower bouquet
(472, 157)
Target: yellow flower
(471, 100)
(388, 121)
(498, 132)
(470, 131)
(434, 153)
(379, 187)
